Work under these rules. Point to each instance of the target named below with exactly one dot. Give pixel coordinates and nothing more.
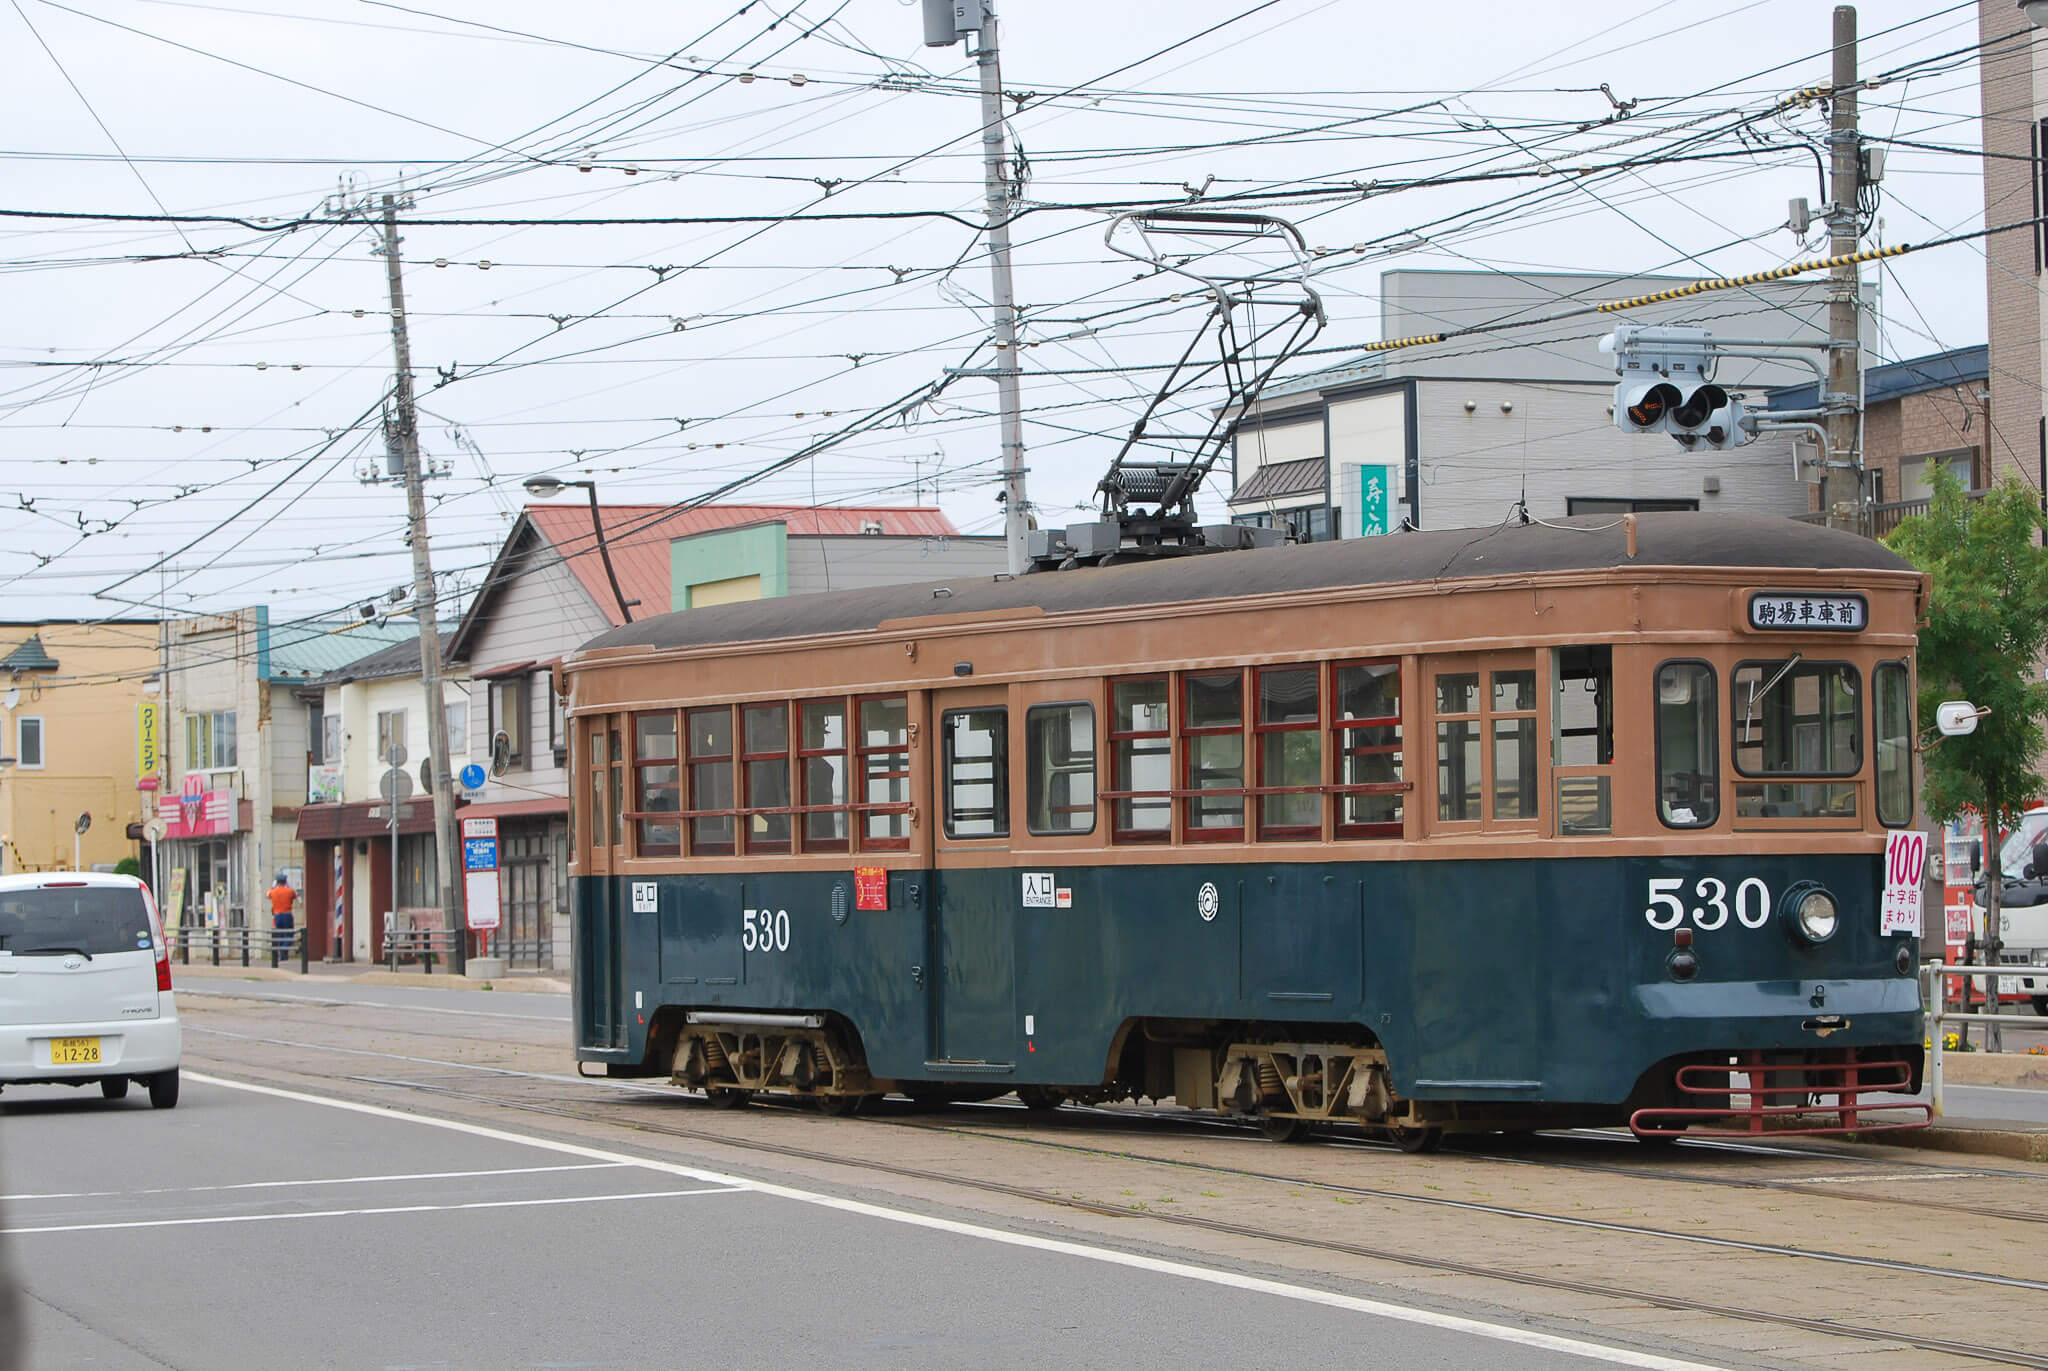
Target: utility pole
(405, 430)
(1843, 495)
(945, 21)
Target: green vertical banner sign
(1364, 496)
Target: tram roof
(1584, 542)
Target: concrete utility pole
(406, 431)
(1842, 491)
(945, 22)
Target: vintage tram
(1559, 823)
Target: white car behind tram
(85, 985)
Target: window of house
(1059, 768)
(390, 735)
(419, 874)
(711, 781)
(209, 741)
(316, 739)
(1290, 751)
(455, 718)
(884, 762)
(1366, 739)
(28, 741)
(1486, 744)
(1892, 733)
(1582, 738)
(657, 785)
(510, 703)
(1688, 750)
(1212, 743)
(976, 766)
(1581, 504)
(330, 740)
(822, 770)
(764, 734)
(1141, 760)
(1792, 717)
(558, 726)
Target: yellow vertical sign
(148, 741)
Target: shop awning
(518, 809)
(364, 819)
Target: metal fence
(1933, 995)
(244, 945)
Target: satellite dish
(501, 753)
(84, 822)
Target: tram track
(581, 1111)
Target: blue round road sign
(472, 777)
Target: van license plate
(74, 1051)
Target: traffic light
(1665, 387)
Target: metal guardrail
(244, 943)
(1933, 999)
(417, 944)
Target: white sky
(206, 413)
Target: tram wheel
(1417, 1141)
(1282, 1130)
(2041, 1005)
(724, 1097)
(1041, 1099)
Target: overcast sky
(187, 406)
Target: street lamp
(548, 487)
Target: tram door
(972, 930)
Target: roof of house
(29, 656)
(638, 537)
(1892, 381)
(1586, 541)
(301, 651)
(399, 659)
(1278, 480)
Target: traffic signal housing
(1665, 387)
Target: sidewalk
(365, 973)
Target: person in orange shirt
(282, 898)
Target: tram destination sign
(1805, 612)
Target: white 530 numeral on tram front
(764, 930)
(1669, 908)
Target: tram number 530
(764, 930)
(1709, 904)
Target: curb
(2014, 1144)
(517, 982)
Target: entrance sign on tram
(1905, 861)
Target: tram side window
(977, 771)
(1582, 737)
(711, 788)
(1688, 748)
(1486, 745)
(764, 735)
(821, 764)
(1459, 777)
(656, 788)
(1366, 739)
(618, 793)
(1141, 757)
(1212, 733)
(884, 772)
(1892, 736)
(594, 778)
(1059, 768)
(1792, 717)
(1290, 749)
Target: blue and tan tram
(1562, 823)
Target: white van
(85, 985)
(2023, 911)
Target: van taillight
(163, 968)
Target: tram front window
(1792, 717)
(1688, 752)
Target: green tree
(1986, 626)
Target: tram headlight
(1810, 913)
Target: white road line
(1304, 1294)
(329, 1180)
(274, 998)
(354, 1213)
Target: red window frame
(1341, 746)
(807, 803)
(1120, 784)
(648, 819)
(1261, 730)
(749, 810)
(862, 809)
(1186, 731)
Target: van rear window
(85, 918)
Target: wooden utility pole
(1842, 492)
(405, 432)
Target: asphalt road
(252, 1228)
